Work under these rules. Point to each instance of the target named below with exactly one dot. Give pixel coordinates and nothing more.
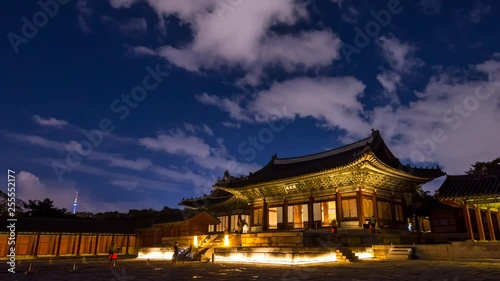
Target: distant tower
(75, 203)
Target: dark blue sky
(187, 85)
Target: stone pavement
(136, 270)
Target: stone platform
(137, 270)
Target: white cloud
(451, 122)
(389, 80)
(237, 34)
(333, 101)
(232, 106)
(51, 122)
(139, 164)
(190, 128)
(208, 130)
(141, 50)
(85, 10)
(129, 185)
(177, 143)
(38, 141)
(399, 55)
(122, 3)
(231, 124)
(30, 187)
(401, 60)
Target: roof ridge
(323, 154)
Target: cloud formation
(238, 34)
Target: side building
(347, 185)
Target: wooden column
(265, 214)
(79, 245)
(393, 211)
(375, 208)
(468, 224)
(285, 214)
(59, 244)
(491, 227)
(339, 208)
(96, 243)
(37, 242)
(361, 207)
(250, 223)
(479, 221)
(128, 242)
(498, 220)
(310, 212)
(54, 246)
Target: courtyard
(141, 270)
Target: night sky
(139, 103)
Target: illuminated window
(349, 208)
(234, 222)
(300, 215)
(223, 223)
(368, 207)
(275, 217)
(257, 217)
(328, 213)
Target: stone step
(400, 253)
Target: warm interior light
(285, 259)
(195, 242)
(155, 254)
(364, 255)
(226, 240)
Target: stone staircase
(401, 253)
(346, 255)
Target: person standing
(335, 226)
(111, 251)
(372, 224)
(176, 253)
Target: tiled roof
(469, 187)
(217, 196)
(279, 168)
(70, 225)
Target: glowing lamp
(195, 241)
(226, 240)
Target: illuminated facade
(479, 198)
(349, 184)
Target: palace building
(479, 198)
(348, 185)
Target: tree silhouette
(485, 168)
(45, 208)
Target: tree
(4, 206)
(45, 208)
(485, 168)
